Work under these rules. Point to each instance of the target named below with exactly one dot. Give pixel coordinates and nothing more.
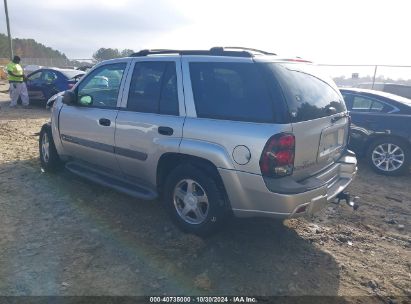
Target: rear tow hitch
(345, 196)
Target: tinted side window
(153, 88)
(169, 94)
(377, 106)
(103, 85)
(361, 103)
(364, 104)
(347, 100)
(35, 76)
(231, 91)
(49, 76)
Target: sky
(335, 32)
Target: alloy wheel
(45, 144)
(191, 201)
(388, 157)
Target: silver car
(213, 133)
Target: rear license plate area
(331, 142)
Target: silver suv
(213, 133)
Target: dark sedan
(380, 129)
(44, 83)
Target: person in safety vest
(16, 79)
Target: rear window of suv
(309, 94)
(233, 91)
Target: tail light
(277, 159)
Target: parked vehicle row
(213, 133)
(380, 129)
(44, 83)
(380, 121)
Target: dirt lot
(61, 235)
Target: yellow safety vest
(16, 69)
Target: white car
(31, 68)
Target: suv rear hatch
(318, 115)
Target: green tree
(126, 52)
(105, 54)
(28, 48)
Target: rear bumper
(250, 196)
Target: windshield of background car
(309, 94)
(72, 74)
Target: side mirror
(69, 98)
(86, 100)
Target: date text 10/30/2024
(209, 299)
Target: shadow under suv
(214, 133)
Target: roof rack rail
(215, 51)
(154, 51)
(249, 49)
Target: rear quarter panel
(367, 127)
(230, 134)
(223, 135)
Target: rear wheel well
(169, 161)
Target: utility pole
(8, 30)
(373, 79)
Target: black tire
(217, 207)
(50, 162)
(383, 142)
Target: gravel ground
(61, 235)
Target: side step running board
(111, 182)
